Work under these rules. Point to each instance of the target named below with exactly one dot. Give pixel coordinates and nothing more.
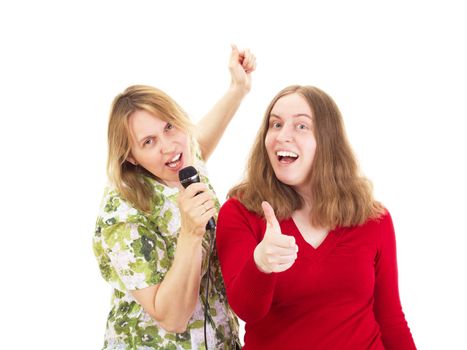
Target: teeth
(286, 154)
(174, 159)
(172, 163)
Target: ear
(132, 160)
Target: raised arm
(210, 128)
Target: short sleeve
(136, 256)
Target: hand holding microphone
(276, 252)
(196, 203)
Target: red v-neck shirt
(341, 295)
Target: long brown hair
(340, 195)
(128, 179)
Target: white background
(396, 69)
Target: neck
(305, 193)
(176, 184)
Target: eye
(148, 142)
(168, 126)
(302, 126)
(275, 125)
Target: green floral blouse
(134, 251)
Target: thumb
(234, 55)
(270, 217)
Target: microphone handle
(211, 225)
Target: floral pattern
(134, 251)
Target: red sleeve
(249, 291)
(387, 307)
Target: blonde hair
(128, 179)
(341, 196)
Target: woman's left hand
(196, 206)
(241, 65)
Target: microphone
(188, 176)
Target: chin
(287, 181)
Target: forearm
(250, 292)
(212, 126)
(178, 294)
(395, 332)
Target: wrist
(257, 259)
(238, 89)
(189, 238)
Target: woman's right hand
(196, 206)
(276, 252)
(241, 65)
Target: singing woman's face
(158, 146)
(290, 141)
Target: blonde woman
(308, 256)
(150, 239)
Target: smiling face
(158, 146)
(290, 142)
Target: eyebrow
(294, 116)
(151, 135)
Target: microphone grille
(187, 172)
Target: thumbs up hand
(276, 252)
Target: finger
(248, 63)
(189, 201)
(200, 217)
(234, 48)
(285, 259)
(209, 204)
(283, 267)
(247, 60)
(284, 241)
(251, 65)
(274, 250)
(206, 206)
(207, 215)
(251, 69)
(234, 54)
(270, 217)
(200, 199)
(240, 58)
(195, 188)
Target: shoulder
(200, 163)
(200, 166)
(235, 221)
(381, 228)
(234, 210)
(114, 209)
(380, 222)
(373, 225)
(234, 205)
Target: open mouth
(286, 157)
(175, 161)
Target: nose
(285, 134)
(166, 147)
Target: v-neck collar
(305, 249)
